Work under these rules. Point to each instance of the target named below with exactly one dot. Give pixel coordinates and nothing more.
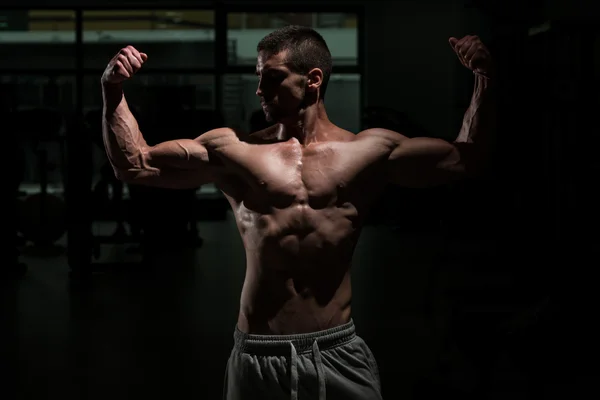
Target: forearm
(123, 140)
(479, 122)
(478, 129)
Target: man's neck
(311, 125)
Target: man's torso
(299, 210)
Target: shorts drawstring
(318, 366)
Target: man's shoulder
(380, 135)
(219, 137)
(376, 132)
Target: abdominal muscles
(298, 262)
(299, 237)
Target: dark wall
(411, 67)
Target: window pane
(240, 102)
(37, 39)
(343, 101)
(245, 30)
(172, 39)
(192, 91)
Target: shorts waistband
(280, 344)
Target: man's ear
(315, 79)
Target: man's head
(294, 65)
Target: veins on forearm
(478, 122)
(122, 137)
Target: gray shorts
(331, 364)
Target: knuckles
(120, 65)
(127, 50)
(468, 44)
(470, 40)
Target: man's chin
(271, 118)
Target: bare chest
(304, 200)
(317, 177)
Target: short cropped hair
(306, 50)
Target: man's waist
(303, 342)
(300, 316)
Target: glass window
(241, 106)
(172, 39)
(37, 39)
(191, 91)
(245, 30)
(239, 100)
(40, 91)
(343, 101)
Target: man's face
(281, 91)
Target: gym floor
(165, 331)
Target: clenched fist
(473, 54)
(123, 65)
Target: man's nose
(258, 89)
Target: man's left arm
(422, 162)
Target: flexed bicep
(424, 162)
(180, 164)
(179, 154)
(421, 161)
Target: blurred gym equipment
(42, 216)
(13, 267)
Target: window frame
(220, 66)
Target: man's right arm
(177, 164)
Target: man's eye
(275, 77)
